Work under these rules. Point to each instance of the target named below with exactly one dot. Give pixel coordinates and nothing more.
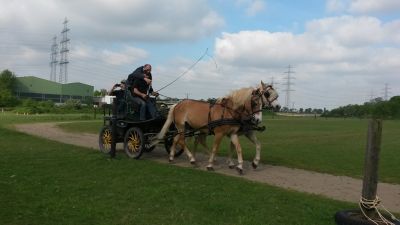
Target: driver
(141, 96)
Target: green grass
(45, 182)
(11, 118)
(334, 146)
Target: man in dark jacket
(140, 73)
(141, 93)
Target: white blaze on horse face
(274, 104)
(258, 115)
(273, 96)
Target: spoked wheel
(105, 139)
(134, 143)
(168, 143)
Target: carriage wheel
(134, 143)
(105, 139)
(168, 143)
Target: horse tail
(167, 124)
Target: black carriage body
(131, 119)
(135, 134)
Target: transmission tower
(288, 84)
(63, 78)
(386, 92)
(53, 58)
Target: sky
(340, 51)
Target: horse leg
(253, 138)
(203, 142)
(217, 141)
(173, 147)
(195, 143)
(187, 151)
(231, 163)
(235, 141)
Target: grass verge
(45, 182)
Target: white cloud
(348, 30)
(105, 34)
(338, 53)
(120, 20)
(335, 5)
(255, 7)
(373, 6)
(363, 6)
(252, 7)
(129, 55)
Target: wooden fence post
(370, 182)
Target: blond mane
(238, 97)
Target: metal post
(370, 182)
(113, 129)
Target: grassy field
(45, 182)
(334, 146)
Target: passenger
(118, 90)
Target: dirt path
(335, 187)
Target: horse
(249, 132)
(223, 118)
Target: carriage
(238, 113)
(134, 134)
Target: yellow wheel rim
(134, 142)
(107, 139)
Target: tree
(96, 93)
(7, 85)
(103, 92)
(211, 100)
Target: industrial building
(43, 90)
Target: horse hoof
(231, 166)
(210, 168)
(254, 165)
(193, 163)
(240, 171)
(171, 161)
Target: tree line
(377, 108)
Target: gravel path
(335, 187)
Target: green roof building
(41, 89)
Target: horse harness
(245, 124)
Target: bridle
(246, 113)
(249, 114)
(267, 95)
